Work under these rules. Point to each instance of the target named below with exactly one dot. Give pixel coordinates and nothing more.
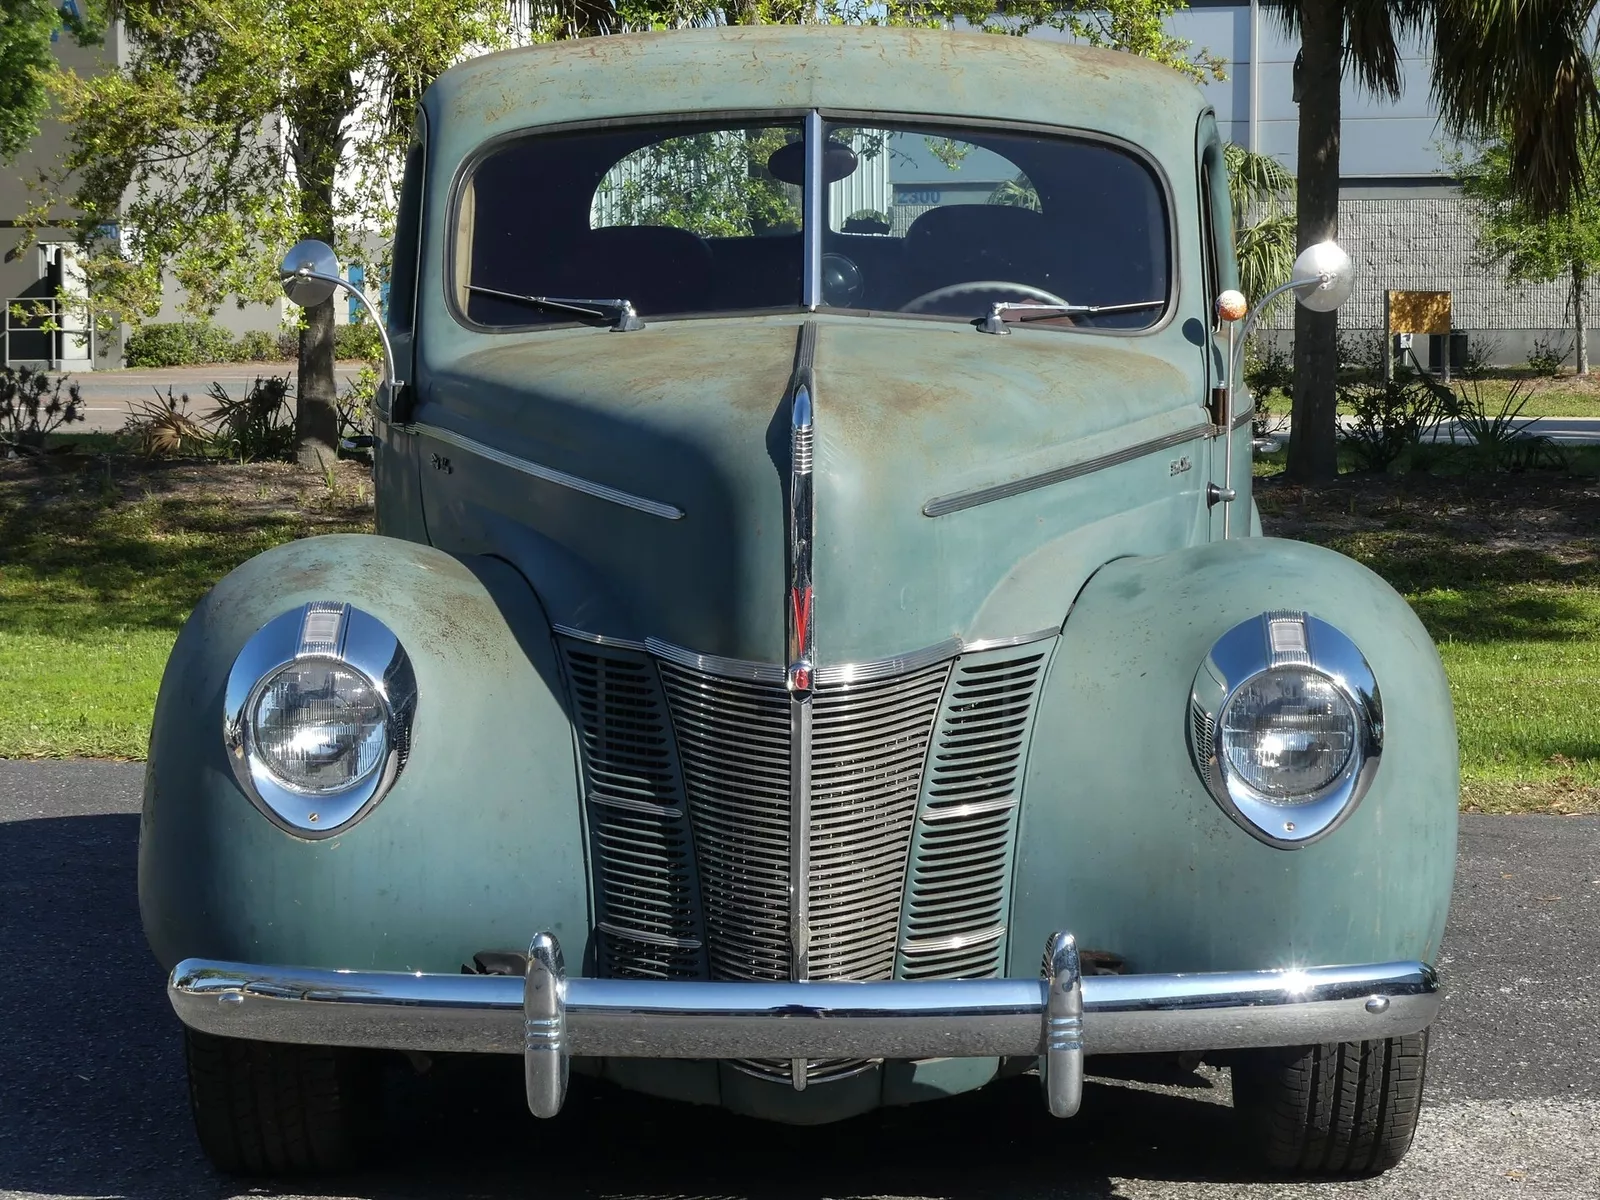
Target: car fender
(1121, 843)
(477, 846)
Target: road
(1564, 431)
(92, 1094)
(107, 394)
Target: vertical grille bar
(646, 894)
(733, 735)
(954, 920)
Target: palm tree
(1262, 191)
(1519, 65)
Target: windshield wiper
(619, 312)
(995, 321)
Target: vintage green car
(816, 573)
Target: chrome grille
(954, 925)
(648, 917)
(733, 735)
(869, 745)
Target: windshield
(674, 220)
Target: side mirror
(1323, 277)
(309, 273)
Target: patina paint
(1120, 841)
(691, 413)
(477, 846)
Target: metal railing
(53, 331)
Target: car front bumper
(546, 1017)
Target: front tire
(1347, 1108)
(268, 1108)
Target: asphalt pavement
(92, 1097)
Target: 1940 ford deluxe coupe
(816, 572)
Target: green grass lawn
(98, 572)
(1505, 573)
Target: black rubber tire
(266, 1108)
(1348, 1108)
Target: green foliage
(359, 339)
(715, 184)
(26, 63)
(1511, 234)
(1262, 192)
(1390, 418)
(171, 146)
(1499, 437)
(258, 426)
(31, 407)
(257, 345)
(180, 344)
(1548, 356)
(1016, 193)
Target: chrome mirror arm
(311, 276)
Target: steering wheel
(954, 290)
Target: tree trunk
(1580, 320)
(318, 144)
(1313, 436)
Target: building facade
(1402, 216)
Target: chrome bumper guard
(546, 1017)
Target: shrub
(358, 340)
(163, 428)
(355, 410)
(1482, 350)
(1500, 438)
(181, 344)
(256, 427)
(1390, 417)
(1548, 355)
(258, 346)
(31, 407)
(289, 344)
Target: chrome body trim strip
(800, 616)
(637, 1018)
(941, 505)
(600, 491)
(1005, 643)
(713, 664)
(598, 639)
(829, 673)
(882, 668)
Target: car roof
(852, 69)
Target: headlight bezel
(1277, 641)
(354, 640)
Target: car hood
(912, 418)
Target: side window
(401, 310)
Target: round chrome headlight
(319, 726)
(319, 709)
(1286, 726)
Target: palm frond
(1526, 64)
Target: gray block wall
(1424, 239)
